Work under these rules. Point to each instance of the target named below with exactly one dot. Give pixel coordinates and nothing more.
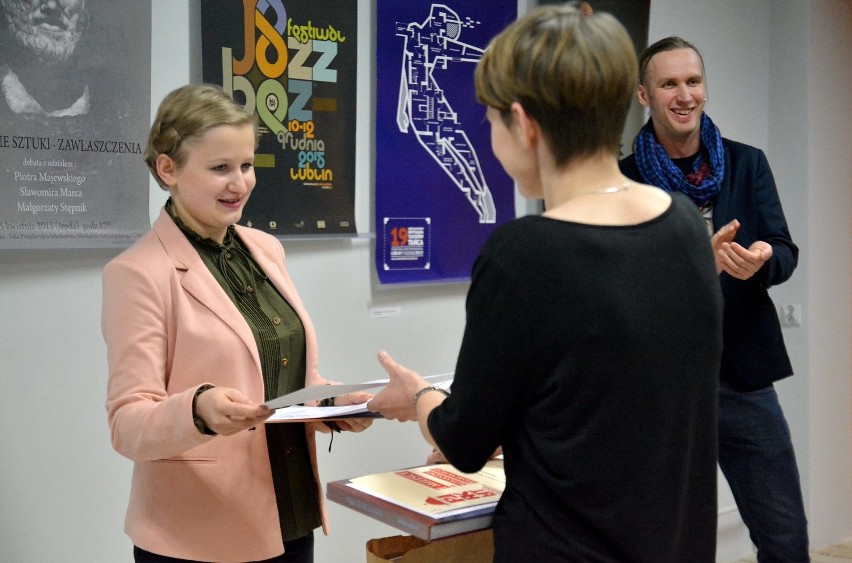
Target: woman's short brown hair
(189, 112)
(574, 73)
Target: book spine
(390, 514)
(460, 527)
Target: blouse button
(276, 321)
(284, 362)
(228, 255)
(249, 289)
(289, 450)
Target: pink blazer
(169, 328)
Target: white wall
(778, 79)
(829, 204)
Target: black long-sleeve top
(591, 354)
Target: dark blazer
(754, 353)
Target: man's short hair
(664, 44)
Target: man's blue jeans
(757, 458)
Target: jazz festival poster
(74, 113)
(293, 62)
(440, 191)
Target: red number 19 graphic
(400, 236)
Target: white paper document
(319, 392)
(298, 413)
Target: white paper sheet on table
(319, 392)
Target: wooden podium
(472, 547)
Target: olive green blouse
(280, 339)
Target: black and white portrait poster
(293, 62)
(75, 83)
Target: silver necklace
(609, 190)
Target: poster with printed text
(75, 105)
(293, 62)
(440, 191)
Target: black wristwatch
(199, 424)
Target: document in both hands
(289, 407)
(299, 413)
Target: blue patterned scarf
(658, 169)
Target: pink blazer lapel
(197, 281)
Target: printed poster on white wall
(440, 191)
(294, 63)
(75, 83)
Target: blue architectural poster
(440, 191)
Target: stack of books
(429, 502)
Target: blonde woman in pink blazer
(203, 324)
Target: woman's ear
(167, 170)
(528, 127)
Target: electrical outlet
(790, 314)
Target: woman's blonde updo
(186, 113)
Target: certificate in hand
(298, 413)
(319, 392)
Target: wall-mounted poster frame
(439, 189)
(74, 113)
(294, 63)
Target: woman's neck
(596, 174)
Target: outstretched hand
(395, 401)
(227, 411)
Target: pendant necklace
(609, 190)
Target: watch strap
(427, 390)
(199, 424)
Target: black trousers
(298, 551)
